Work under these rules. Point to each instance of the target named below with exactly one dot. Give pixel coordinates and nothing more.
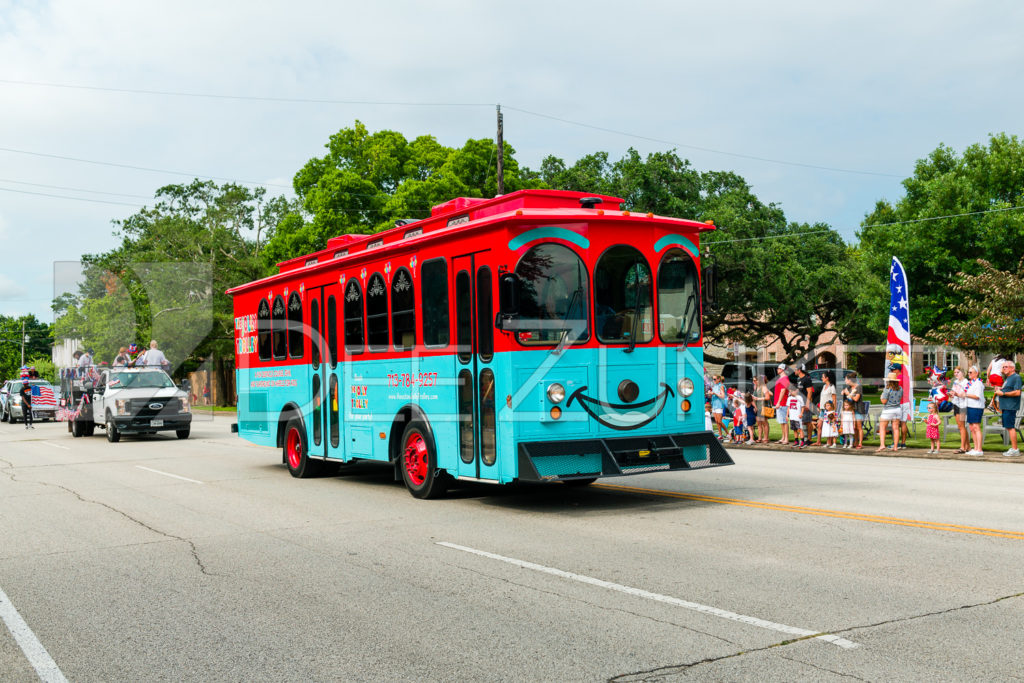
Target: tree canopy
(40, 338)
(935, 242)
(166, 280)
(777, 280)
(367, 180)
(989, 313)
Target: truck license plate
(156, 423)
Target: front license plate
(156, 423)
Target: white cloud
(11, 290)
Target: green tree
(367, 180)
(990, 312)
(167, 279)
(40, 339)
(986, 182)
(776, 280)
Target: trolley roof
(463, 216)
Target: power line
(307, 100)
(247, 98)
(138, 168)
(60, 196)
(702, 149)
(873, 225)
(74, 189)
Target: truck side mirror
(508, 298)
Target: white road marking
(667, 599)
(55, 445)
(34, 651)
(168, 474)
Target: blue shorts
(1009, 418)
(974, 415)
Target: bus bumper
(621, 456)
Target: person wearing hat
(781, 403)
(892, 399)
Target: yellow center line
(820, 512)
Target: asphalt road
(203, 560)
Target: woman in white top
(957, 396)
(975, 395)
(828, 395)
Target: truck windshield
(139, 380)
(554, 294)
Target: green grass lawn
(993, 442)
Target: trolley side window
(353, 317)
(332, 332)
(377, 313)
(403, 311)
(277, 329)
(296, 346)
(434, 303)
(263, 329)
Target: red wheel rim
(294, 449)
(416, 459)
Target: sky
(823, 107)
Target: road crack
(821, 668)
(925, 615)
(192, 546)
(592, 604)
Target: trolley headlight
(556, 393)
(122, 407)
(685, 386)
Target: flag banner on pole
(898, 347)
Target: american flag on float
(899, 323)
(42, 397)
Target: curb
(919, 453)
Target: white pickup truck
(140, 401)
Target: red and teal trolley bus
(537, 336)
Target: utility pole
(501, 154)
(22, 343)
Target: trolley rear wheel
(295, 455)
(418, 462)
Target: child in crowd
(931, 428)
(709, 425)
(795, 410)
(807, 417)
(751, 415)
(828, 425)
(848, 426)
(739, 420)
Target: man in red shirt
(780, 402)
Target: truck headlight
(122, 407)
(556, 393)
(685, 386)
(185, 407)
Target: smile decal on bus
(622, 415)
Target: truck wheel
(89, 429)
(3, 416)
(183, 433)
(295, 456)
(418, 462)
(77, 428)
(113, 436)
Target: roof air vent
(590, 202)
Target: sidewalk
(909, 452)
